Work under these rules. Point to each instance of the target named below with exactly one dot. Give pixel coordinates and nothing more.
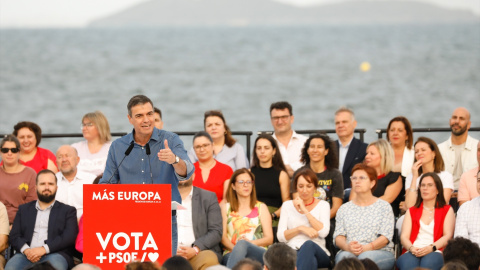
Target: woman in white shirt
(93, 151)
(305, 223)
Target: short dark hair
(308, 174)
(281, 105)
(369, 264)
(202, 134)
(157, 110)
(45, 171)
(247, 263)
(30, 125)
(280, 256)
(136, 100)
(351, 263)
(177, 263)
(408, 129)
(331, 160)
(455, 265)
(10, 138)
(464, 250)
(440, 200)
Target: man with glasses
(289, 142)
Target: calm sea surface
(53, 77)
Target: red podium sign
(124, 223)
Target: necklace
(313, 200)
(429, 213)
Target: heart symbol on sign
(153, 256)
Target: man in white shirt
(458, 152)
(70, 179)
(289, 142)
(468, 218)
(350, 149)
(200, 226)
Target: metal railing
(380, 132)
(360, 131)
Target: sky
(78, 13)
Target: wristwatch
(177, 159)
(434, 247)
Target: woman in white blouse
(305, 223)
(93, 151)
(400, 137)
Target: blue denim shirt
(135, 169)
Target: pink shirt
(467, 188)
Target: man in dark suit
(199, 226)
(44, 230)
(350, 149)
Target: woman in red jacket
(427, 227)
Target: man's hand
(355, 247)
(35, 254)
(186, 252)
(166, 154)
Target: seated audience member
(158, 118)
(319, 155)
(350, 150)
(427, 159)
(225, 147)
(247, 224)
(247, 264)
(468, 218)
(273, 184)
(177, 263)
(364, 226)
(143, 266)
(4, 231)
(369, 264)
(33, 242)
(400, 137)
(467, 189)
(86, 266)
(30, 134)
(351, 263)
(463, 250)
(17, 182)
(427, 227)
(389, 184)
(455, 265)
(199, 226)
(70, 179)
(93, 151)
(289, 142)
(305, 223)
(279, 256)
(210, 174)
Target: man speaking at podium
(148, 155)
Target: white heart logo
(153, 256)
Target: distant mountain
(155, 13)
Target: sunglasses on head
(14, 150)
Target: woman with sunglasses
(29, 135)
(247, 224)
(305, 223)
(17, 181)
(93, 151)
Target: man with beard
(44, 230)
(459, 151)
(71, 180)
(199, 226)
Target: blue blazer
(356, 154)
(62, 229)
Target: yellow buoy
(365, 66)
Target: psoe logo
(137, 196)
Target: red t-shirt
(40, 160)
(218, 175)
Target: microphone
(147, 150)
(127, 152)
